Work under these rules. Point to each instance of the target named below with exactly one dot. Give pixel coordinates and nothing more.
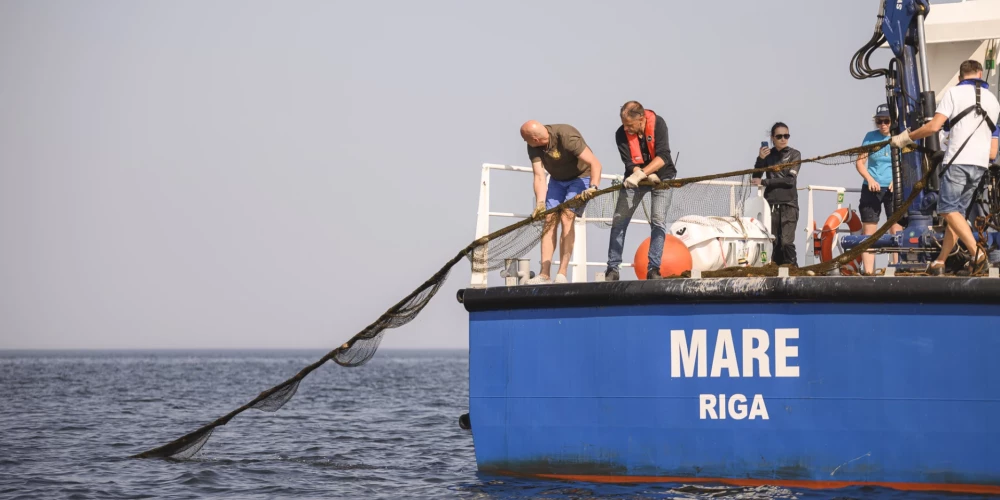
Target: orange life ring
(829, 235)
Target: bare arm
(539, 182)
(993, 148)
(587, 156)
(862, 165)
(653, 166)
(930, 128)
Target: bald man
(574, 171)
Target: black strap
(953, 158)
(978, 108)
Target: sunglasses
(782, 136)
(882, 121)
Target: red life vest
(633, 140)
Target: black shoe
(653, 274)
(611, 275)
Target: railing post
(810, 227)
(579, 258)
(481, 253)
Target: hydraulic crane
(912, 103)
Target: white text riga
(690, 358)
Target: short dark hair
(776, 126)
(632, 110)
(969, 68)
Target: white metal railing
(579, 263)
(810, 229)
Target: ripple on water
(388, 429)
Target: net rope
(713, 196)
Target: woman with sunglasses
(780, 192)
(876, 190)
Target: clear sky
(249, 174)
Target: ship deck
(854, 289)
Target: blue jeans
(628, 201)
(957, 187)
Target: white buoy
(719, 242)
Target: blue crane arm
(898, 21)
(911, 104)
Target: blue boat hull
(736, 387)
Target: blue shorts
(958, 184)
(561, 191)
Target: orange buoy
(675, 260)
(829, 233)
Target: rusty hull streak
(790, 476)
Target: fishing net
(712, 196)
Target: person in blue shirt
(876, 190)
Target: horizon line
(219, 349)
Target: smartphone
(763, 144)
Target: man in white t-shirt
(971, 111)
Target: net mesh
(704, 198)
(191, 444)
(714, 196)
(278, 398)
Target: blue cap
(882, 110)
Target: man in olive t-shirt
(574, 171)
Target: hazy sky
(205, 174)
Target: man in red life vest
(645, 151)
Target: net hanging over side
(717, 195)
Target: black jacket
(779, 187)
(667, 171)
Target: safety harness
(978, 108)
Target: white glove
(901, 141)
(539, 208)
(633, 180)
(653, 178)
(588, 193)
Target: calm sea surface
(388, 429)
